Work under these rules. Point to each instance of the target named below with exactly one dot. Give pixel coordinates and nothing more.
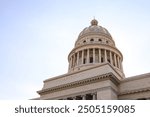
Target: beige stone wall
(97, 87)
(135, 83)
(107, 94)
(135, 87)
(81, 75)
(93, 87)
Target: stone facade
(95, 72)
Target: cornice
(138, 77)
(135, 91)
(107, 76)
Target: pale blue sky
(36, 37)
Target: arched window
(107, 42)
(84, 41)
(92, 40)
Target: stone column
(105, 54)
(69, 66)
(94, 96)
(77, 58)
(115, 59)
(99, 55)
(118, 61)
(73, 61)
(82, 56)
(87, 55)
(70, 62)
(121, 65)
(83, 97)
(111, 58)
(93, 55)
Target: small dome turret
(94, 22)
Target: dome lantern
(94, 22)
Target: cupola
(94, 46)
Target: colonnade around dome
(94, 56)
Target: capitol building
(95, 72)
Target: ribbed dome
(95, 32)
(94, 29)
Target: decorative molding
(135, 91)
(84, 93)
(107, 76)
(138, 77)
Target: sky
(36, 37)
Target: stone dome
(94, 46)
(94, 29)
(96, 32)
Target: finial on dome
(94, 22)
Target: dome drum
(99, 35)
(94, 45)
(89, 57)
